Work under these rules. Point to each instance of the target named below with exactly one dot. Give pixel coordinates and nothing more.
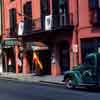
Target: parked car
(86, 74)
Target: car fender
(75, 75)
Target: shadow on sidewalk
(87, 89)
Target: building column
(74, 50)
(26, 66)
(16, 57)
(55, 67)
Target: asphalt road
(15, 90)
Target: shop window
(94, 7)
(13, 24)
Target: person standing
(9, 65)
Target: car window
(98, 59)
(90, 60)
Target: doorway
(64, 56)
(9, 60)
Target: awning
(37, 46)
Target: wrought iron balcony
(52, 22)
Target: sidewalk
(33, 78)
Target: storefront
(38, 57)
(8, 55)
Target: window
(94, 6)
(45, 10)
(60, 12)
(90, 61)
(13, 24)
(45, 7)
(28, 17)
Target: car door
(89, 73)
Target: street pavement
(17, 90)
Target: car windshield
(90, 60)
(98, 59)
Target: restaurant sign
(9, 42)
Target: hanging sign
(75, 48)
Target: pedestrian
(19, 64)
(9, 65)
(19, 61)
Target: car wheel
(69, 83)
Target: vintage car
(86, 74)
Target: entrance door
(45, 59)
(64, 56)
(9, 55)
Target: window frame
(94, 12)
(12, 20)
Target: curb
(40, 82)
(49, 83)
(8, 78)
(52, 82)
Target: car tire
(68, 83)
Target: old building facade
(60, 32)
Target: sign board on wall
(9, 42)
(75, 48)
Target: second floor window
(28, 17)
(45, 10)
(94, 7)
(13, 24)
(60, 12)
(45, 7)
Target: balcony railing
(53, 22)
(50, 23)
(60, 20)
